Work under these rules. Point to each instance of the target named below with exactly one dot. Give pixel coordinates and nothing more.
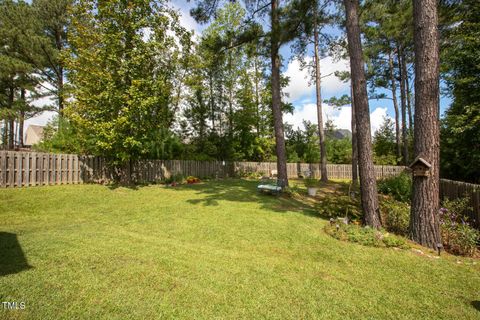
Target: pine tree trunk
(409, 94)
(21, 119)
(59, 45)
(5, 134)
(368, 184)
(321, 133)
(11, 134)
(211, 101)
(257, 94)
(11, 121)
(354, 141)
(393, 85)
(403, 105)
(424, 224)
(60, 92)
(276, 97)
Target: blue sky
(301, 94)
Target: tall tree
(311, 34)
(403, 102)
(17, 73)
(122, 60)
(52, 19)
(345, 100)
(275, 42)
(460, 133)
(318, 90)
(393, 82)
(368, 186)
(387, 25)
(284, 26)
(354, 141)
(424, 221)
(384, 143)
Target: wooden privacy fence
(294, 170)
(455, 189)
(21, 169)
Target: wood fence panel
(3, 168)
(456, 189)
(31, 169)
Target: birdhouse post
(420, 167)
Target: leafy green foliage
(177, 178)
(340, 206)
(339, 150)
(311, 182)
(123, 60)
(59, 136)
(458, 236)
(460, 130)
(20, 70)
(364, 235)
(384, 145)
(395, 216)
(228, 110)
(400, 187)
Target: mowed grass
(213, 250)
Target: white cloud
(376, 118)
(341, 117)
(188, 22)
(299, 88)
(183, 7)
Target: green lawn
(214, 250)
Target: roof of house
(38, 130)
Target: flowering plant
(458, 236)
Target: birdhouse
(420, 167)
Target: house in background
(33, 135)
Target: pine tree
(368, 186)
(285, 26)
(17, 74)
(424, 220)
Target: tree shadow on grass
(12, 258)
(476, 304)
(244, 191)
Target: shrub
(311, 182)
(364, 235)
(395, 216)
(393, 241)
(457, 235)
(192, 179)
(340, 205)
(175, 178)
(249, 174)
(399, 187)
(254, 175)
(293, 191)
